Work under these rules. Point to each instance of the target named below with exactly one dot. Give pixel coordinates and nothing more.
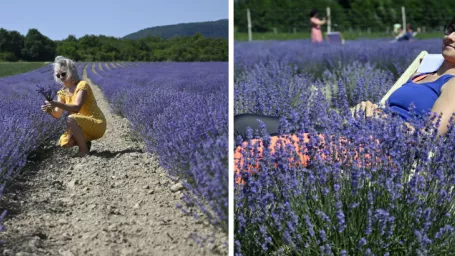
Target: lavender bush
(378, 189)
(23, 127)
(181, 111)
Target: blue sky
(58, 19)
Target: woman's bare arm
(445, 105)
(317, 21)
(73, 108)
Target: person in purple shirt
(426, 91)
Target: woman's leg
(76, 133)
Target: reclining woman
(86, 121)
(426, 91)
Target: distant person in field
(397, 31)
(316, 33)
(86, 122)
(408, 35)
(431, 91)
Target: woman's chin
(449, 56)
(448, 51)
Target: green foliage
(377, 15)
(11, 44)
(36, 47)
(210, 29)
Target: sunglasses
(63, 74)
(449, 29)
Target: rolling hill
(210, 29)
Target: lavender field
(179, 110)
(377, 190)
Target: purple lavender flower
(49, 93)
(362, 242)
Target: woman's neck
(71, 86)
(446, 68)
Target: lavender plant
(378, 189)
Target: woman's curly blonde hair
(65, 65)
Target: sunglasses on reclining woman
(63, 74)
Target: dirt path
(118, 201)
(93, 68)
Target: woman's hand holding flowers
(46, 108)
(50, 103)
(48, 94)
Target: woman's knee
(71, 121)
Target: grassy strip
(14, 68)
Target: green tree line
(376, 15)
(34, 46)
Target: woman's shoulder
(82, 85)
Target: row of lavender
(181, 111)
(376, 190)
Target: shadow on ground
(112, 154)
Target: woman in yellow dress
(86, 121)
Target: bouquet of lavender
(49, 93)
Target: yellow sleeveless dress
(90, 118)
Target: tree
(69, 48)
(38, 47)
(11, 44)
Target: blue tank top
(422, 95)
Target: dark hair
(313, 12)
(452, 21)
(409, 26)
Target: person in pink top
(316, 33)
